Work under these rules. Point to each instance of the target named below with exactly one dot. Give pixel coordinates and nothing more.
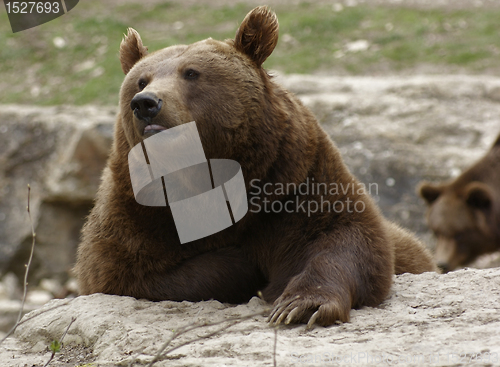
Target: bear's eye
(191, 74)
(142, 84)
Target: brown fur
(411, 256)
(464, 214)
(313, 268)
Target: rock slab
(60, 152)
(429, 319)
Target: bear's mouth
(150, 130)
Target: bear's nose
(146, 105)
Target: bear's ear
(478, 196)
(429, 192)
(258, 34)
(131, 50)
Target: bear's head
(465, 213)
(220, 85)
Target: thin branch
(26, 319)
(55, 350)
(185, 329)
(25, 286)
(206, 336)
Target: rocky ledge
(428, 319)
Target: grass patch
(35, 68)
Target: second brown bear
(464, 213)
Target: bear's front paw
(309, 309)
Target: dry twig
(25, 286)
(56, 345)
(185, 329)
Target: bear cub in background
(464, 214)
(313, 268)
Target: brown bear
(464, 214)
(314, 266)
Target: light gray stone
(60, 152)
(429, 319)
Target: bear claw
(297, 310)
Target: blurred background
(66, 60)
(408, 90)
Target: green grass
(313, 39)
